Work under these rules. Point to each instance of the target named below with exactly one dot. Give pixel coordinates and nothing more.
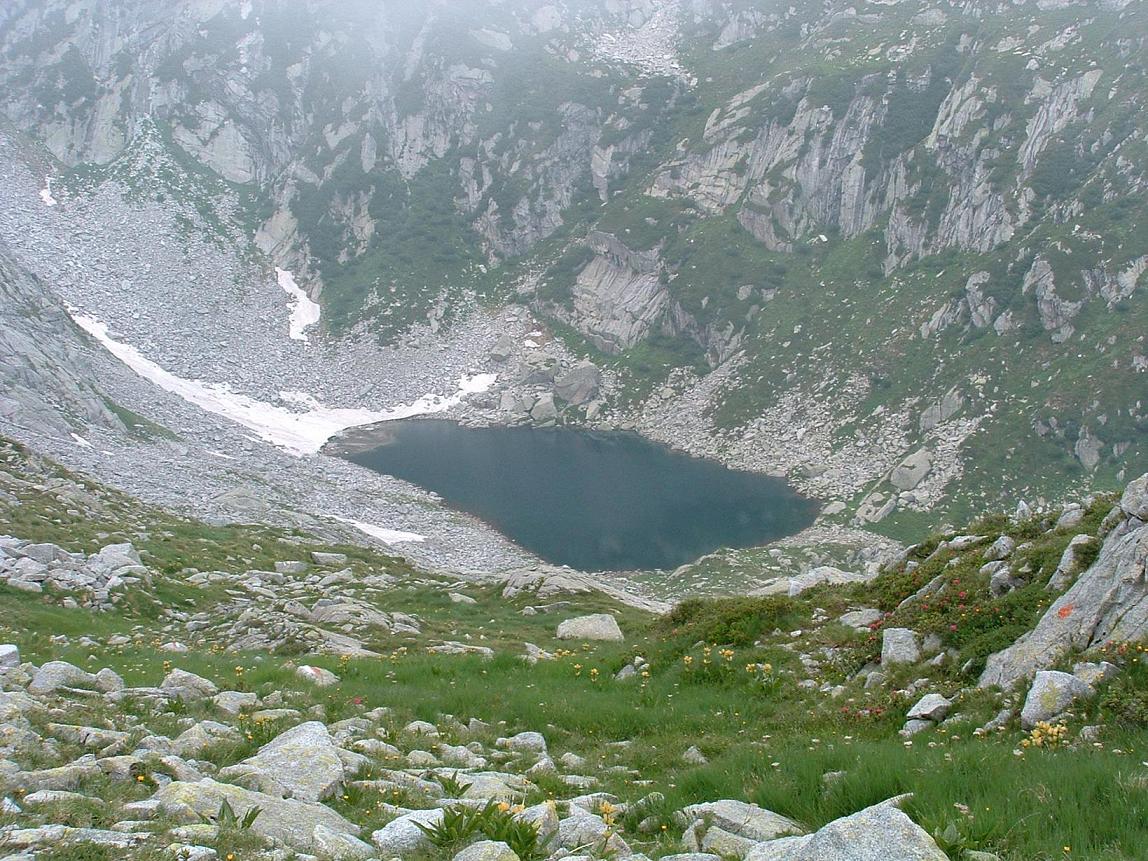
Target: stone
(234, 702)
(743, 819)
(1072, 516)
(188, 687)
(693, 756)
(203, 736)
(66, 777)
(45, 554)
(287, 821)
(544, 817)
(56, 796)
(899, 646)
(60, 674)
(503, 349)
(487, 850)
(1002, 548)
(109, 681)
(9, 657)
(191, 852)
(1134, 500)
(861, 620)
(302, 763)
(912, 727)
(1001, 581)
(582, 829)
(912, 470)
(1095, 673)
(495, 785)
(878, 833)
(294, 567)
(525, 742)
(339, 846)
(718, 841)
(402, 836)
(580, 385)
(1069, 563)
(932, 707)
(820, 575)
(1050, 694)
(328, 560)
(59, 836)
(317, 675)
(544, 412)
(600, 626)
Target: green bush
(730, 621)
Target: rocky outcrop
(1107, 604)
(98, 580)
(620, 297)
(47, 368)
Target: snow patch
(46, 192)
(387, 536)
(304, 312)
(298, 432)
(80, 441)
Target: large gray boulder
(579, 385)
(544, 412)
(60, 674)
(1107, 603)
(861, 620)
(743, 819)
(899, 646)
(188, 687)
(912, 470)
(287, 821)
(1134, 501)
(503, 348)
(403, 836)
(600, 626)
(1051, 693)
(301, 763)
(878, 833)
(932, 707)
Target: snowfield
(46, 192)
(304, 312)
(302, 431)
(387, 536)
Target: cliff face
(870, 206)
(46, 364)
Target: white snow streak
(300, 433)
(304, 312)
(46, 192)
(387, 536)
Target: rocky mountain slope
(880, 248)
(170, 689)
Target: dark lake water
(592, 500)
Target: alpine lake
(592, 500)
